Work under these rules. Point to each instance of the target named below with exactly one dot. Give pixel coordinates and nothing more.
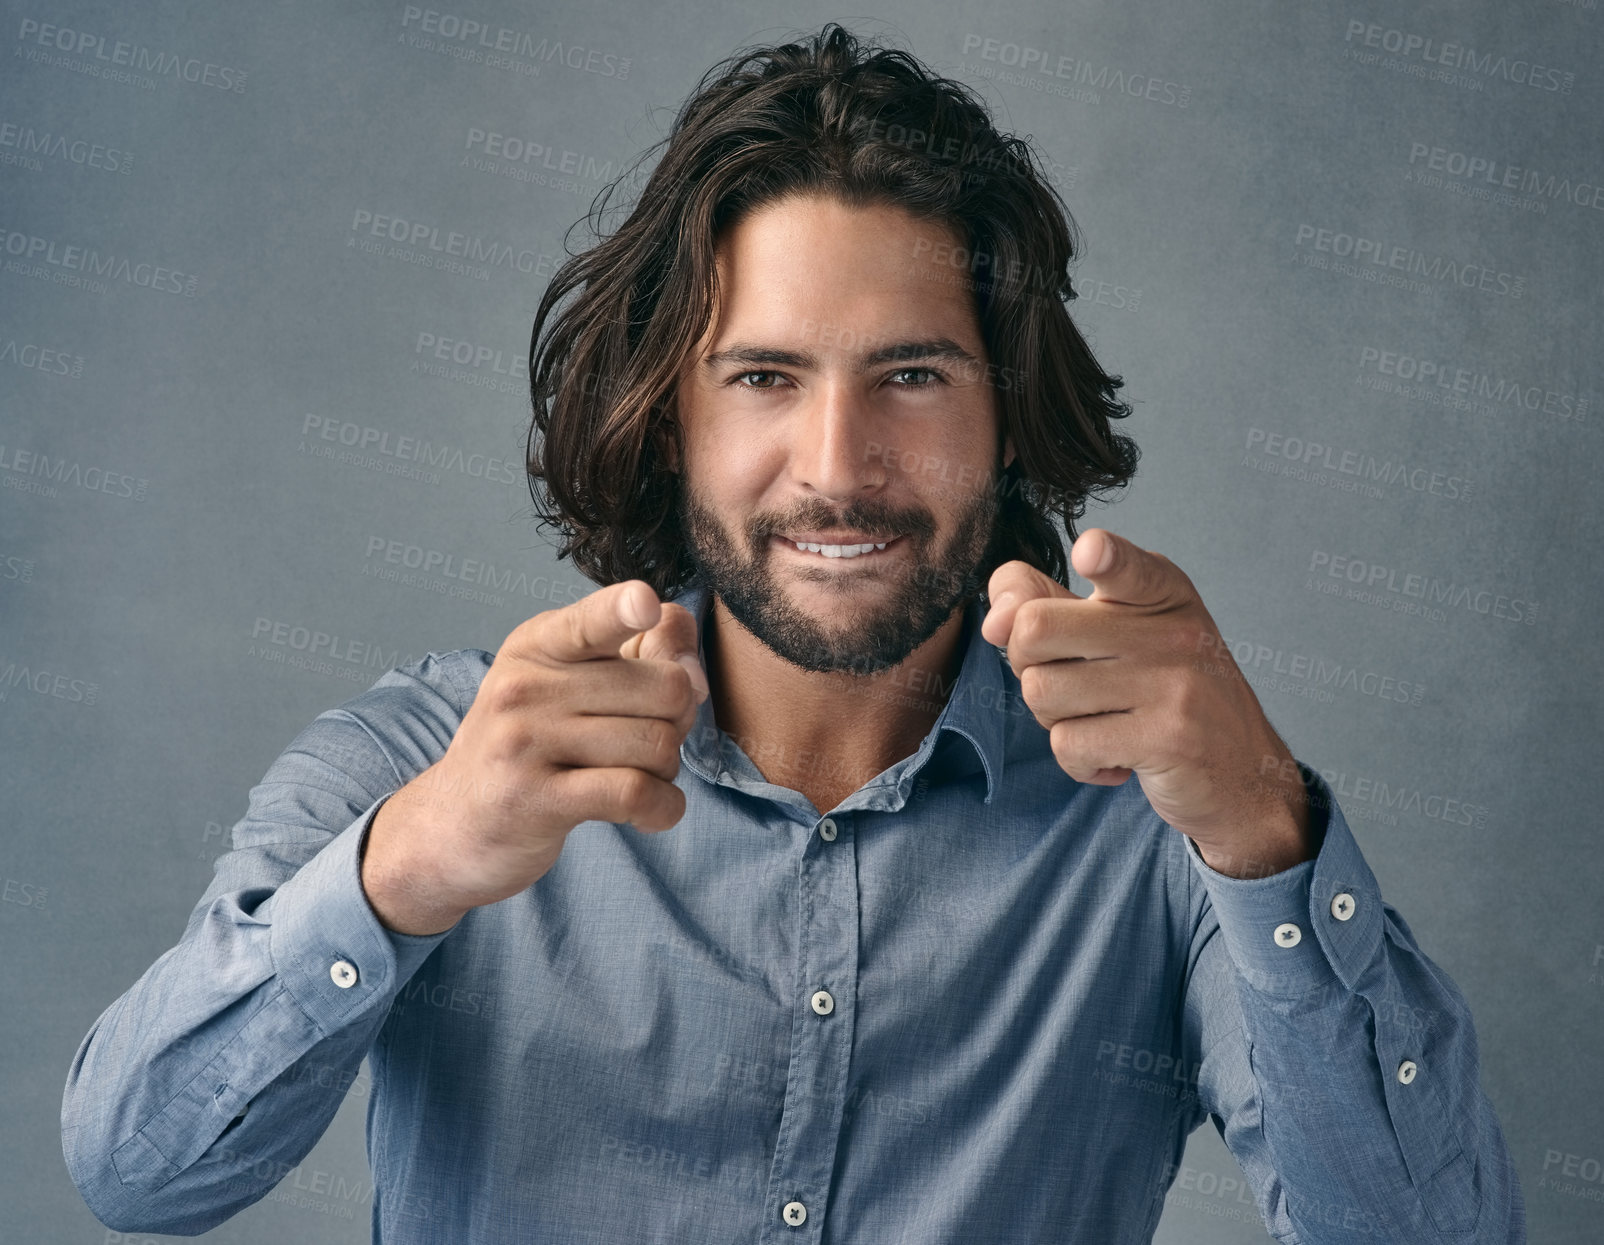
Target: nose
(832, 453)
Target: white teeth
(839, 551)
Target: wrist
(1276, 841)
(397, 885)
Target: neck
(827, 734)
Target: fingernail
(698, 675)
(636, 612)
(1107, 560)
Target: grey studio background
(268, 279)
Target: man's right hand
(579, 718)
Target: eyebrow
(896, 352)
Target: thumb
(673, 638)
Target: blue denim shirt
(978, 1001)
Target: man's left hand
(1136, 679)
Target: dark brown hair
(867, 125)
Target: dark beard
(922, 596)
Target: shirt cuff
(329, 948)
(1311, 926)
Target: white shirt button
(344, 973)
(1406, 1071)
(822, 1002)
(827, 829)
(795, 1214)
(1342, 906)
(1287, 934)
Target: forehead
(815, 268)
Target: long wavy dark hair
(867, 125)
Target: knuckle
(555, 795)
(540, 794)
(525, 636)
(676, 695)
(1187, 741)
(572, 618)
(546, 631)
(636, 791)
(1065, 751)
(503, 695)
(1030, 684)
(677, 689)
(1030, 625)
(573, 629)
(1188, 695)
(506, 740)
(661, 746)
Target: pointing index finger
(597, 625)
(1124, 572)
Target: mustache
(906, 524)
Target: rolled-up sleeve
(203, 1085)
(1339, 1062)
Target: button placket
(826, 985)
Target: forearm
(1353, 1082)
(1372, 1110)
(222, 1066)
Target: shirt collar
(976, 713)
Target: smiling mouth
(818, 552)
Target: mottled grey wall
(1348, 259)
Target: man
(770, 911)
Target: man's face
(840, 397)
